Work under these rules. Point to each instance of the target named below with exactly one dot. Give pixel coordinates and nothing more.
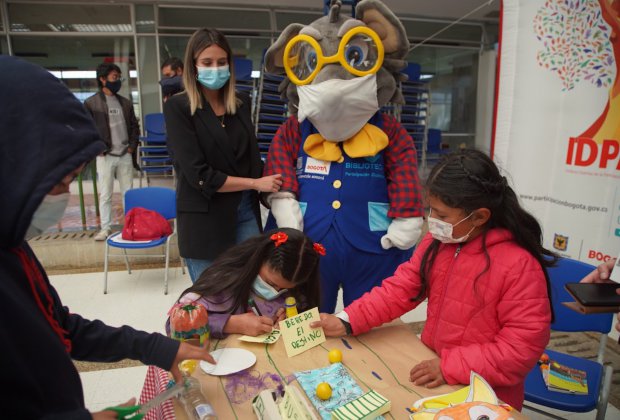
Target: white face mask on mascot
(335, 118)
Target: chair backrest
(412, 71)
(154, 124)
(572, 271)
(159, 199)
(243, 68)
(433, 140)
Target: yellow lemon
(324, 391)
(334, 356)
(188, 366)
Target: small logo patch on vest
(315, 166)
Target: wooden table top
(380, 359)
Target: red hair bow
(320, 249)
(279, 238)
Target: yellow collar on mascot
(367, 142)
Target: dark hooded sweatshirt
(45, 133)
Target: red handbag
(145, 225)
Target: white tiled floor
(138, 300)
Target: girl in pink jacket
(482, 269)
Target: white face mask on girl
(48, 214)
(442, 231)
(265, 290)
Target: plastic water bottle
(290, 304)
(194, 401)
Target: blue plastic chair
(159, 199)
(433, 142)
(243, 68)
(412, 71)
(243, 75)
(154, 156)
(568, 320)
(155, 125)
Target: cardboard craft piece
(369, 406)
(480, 399)
(292, 405)
(576, 306)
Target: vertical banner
(557, 127)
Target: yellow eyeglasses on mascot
(349, 172)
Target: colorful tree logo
(576, 41)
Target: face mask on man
(442, 231)
(171, 85)
(114, 86)
(265, 290)
(213, 77)
(335, 119)
(48, 214)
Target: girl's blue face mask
(265, 290)
(213, 77)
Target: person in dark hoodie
(47, 137)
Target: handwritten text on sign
(268, 338)
(297, 334)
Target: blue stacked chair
(414, 113)
(271, 110)
(154, 156)
(243, 75)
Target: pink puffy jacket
(496, 325)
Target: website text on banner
(557, 130)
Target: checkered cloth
(155, 383)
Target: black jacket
(47, 133)
(98, 109)
(203, 159)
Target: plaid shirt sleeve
(401, 171)
(282, 156)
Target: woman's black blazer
(203, 158)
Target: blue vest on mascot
(351, 194)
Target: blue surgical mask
(213, 77)
(48, 214)
(265, 290)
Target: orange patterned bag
(189, 322)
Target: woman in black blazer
(215, 152)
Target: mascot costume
(349, 172)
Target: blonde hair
(201, 39)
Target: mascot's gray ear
(274, 57)
(385, 23)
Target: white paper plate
(229, 360)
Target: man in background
(173, 66)
(118, 127)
